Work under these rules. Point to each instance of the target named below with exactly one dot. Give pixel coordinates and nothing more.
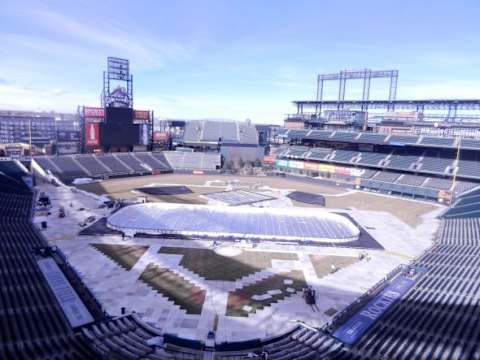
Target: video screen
(118, 128)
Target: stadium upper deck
(356, 137)
(415, 165)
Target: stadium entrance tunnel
(223, 222)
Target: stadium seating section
(438, 318)
(313, 134)
(69, 167)
(371, 158)
(32, 325)
(435, 165)
(401, 162)
(344, 156)
(412, 165)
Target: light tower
(117, 84)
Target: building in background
(45, 132)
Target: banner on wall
(295, 164)
(92, 134)
(355, 327)
(269, 159)
(310, 166)
(356, 172)
(281, 163)
(141, 116)
(93, 114)
(445, 195)
(342, 170)
(326, 168)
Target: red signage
(160, 136)
(269, 159)
(141, 114)
(93, 112)
(92, 134)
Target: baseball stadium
(327, 238)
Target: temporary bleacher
(211, 132)
(180, 160)
(192, 132)
(214, 132)
(247, 134)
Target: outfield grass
(124, 255)
(243, 297)
(212, 266)
(323, 263)
(174, 287)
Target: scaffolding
(366, 74)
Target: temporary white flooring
(116, 288)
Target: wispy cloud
(129, 43)
(447, 89)
(52, 48)
(268, 108)
(12, 96)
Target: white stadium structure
(298, 224)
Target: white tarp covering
(293, 224)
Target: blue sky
(233, 59)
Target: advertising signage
(141, 116)
(94, 112)
(92, 134)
